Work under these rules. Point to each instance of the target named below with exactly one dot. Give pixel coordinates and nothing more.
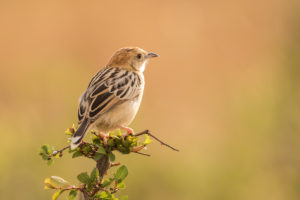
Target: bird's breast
(121, 115)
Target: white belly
(121, 115)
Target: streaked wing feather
(109, 87)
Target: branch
(154, 137)
(60, 151)
(103, 164)
(114, 164)
(100, 151)
(86, 194)
(144, 154)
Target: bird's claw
(129, 131)
(104, 138)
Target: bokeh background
(225, 91)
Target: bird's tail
(79, 134)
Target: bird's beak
(151, 55)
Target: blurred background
(225, 91)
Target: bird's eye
(139, 56)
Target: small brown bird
(114, 94)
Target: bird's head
(131, 58)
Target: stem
(60, 151)
(114, 164)
(103, 164)
(86, 195)
(144, 154)
(154, 137)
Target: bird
(113, 96)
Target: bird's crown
(130, 58)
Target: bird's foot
(103, 137)
(129, 131)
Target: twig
(86, 194)
(154, 137)
(60, 151)
(103, 164)
(144, 154)
(114, 164)
(114, 191)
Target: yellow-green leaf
(48, 186)
(121, 185)
(147, 140)
(56, 182)
(57, 194)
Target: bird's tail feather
(79, 134)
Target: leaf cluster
(94, 185)
(47, 153)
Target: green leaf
(107, 182)
(45, 148)
(84, 178)
(57, 194)
(125, 143)
(86, 149)
(124, 197)
(112, 157)
(101, 150)
(45, 157)
(94, 175)
(50, 150)
(76, 154)
(72, 195)
(110, 142)
(96, 140)
(123, 149)
(121, 173)
(98, 156)
(147, 140)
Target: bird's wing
(109, 87)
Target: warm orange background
(225, 91)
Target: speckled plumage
(114, 94)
